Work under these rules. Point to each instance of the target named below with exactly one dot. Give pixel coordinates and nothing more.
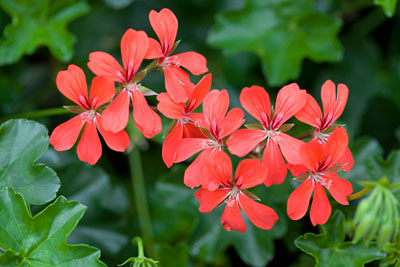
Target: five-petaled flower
(249, 173)
(72, 84)
(217, 126)
(134, 45)
(181, 113)
(320, 161)
(255, 100)
(165, 25)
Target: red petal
(199, 92)
(198, 119)
(134, 45)
(154, 50)
(197, 174)
(338, 187)
(311, 113)
(255, 100)
(146, 119)
(165, 25)
(191, 131)
(190, 146)
(89, 147)
(233, 120)
(219, 166)
(290, 148)
(241, 142)
(116, 115)
(289, 101)
(232, 218)
(215, 106)
(333, 107)
(103, 64)
(72, 84)
(312, 154)
(320, 207)
(249, 173)
(299, 200)
(193, 62)
(260, 215)
(336, 145)
(210, 199)
(275, 164)
(175, 85)
(116, 141)
(346, 160)
(102, 90)
(171, 145)
(297, 170)
(169, 108)
(64, 136)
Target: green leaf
(330, 249)
(38, 23)
(107, 202)
(282, 33)
(22, 143)
(389, 6)
(41, 240)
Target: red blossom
(249, 173)
(255, 100)
(218, 124)
(72, 84)
(134, 45)
(180, 112)
(165, 25)
(320, 163)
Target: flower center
(132, 87)
(317, 177)
(89, 116)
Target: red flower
(249, 173)
(165, 25)
(72, 84)
(134, 45)
(181, 113)
(219, 126)
(255, 100)
(333, 105)
(321, 171)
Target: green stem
(37, 114)
(140, 246)
(139, 192)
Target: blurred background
(254, 42)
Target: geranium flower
(181, 113)
(255, 100)
(333, 105)
(320, 161)
(249, 173)
(165, 26)
(72, 84)
(134, 45)
(218, 126)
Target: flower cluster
(214, 131)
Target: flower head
(72, 84)
(255, 100)
(249, 173)
(320, 162)
(165, 24)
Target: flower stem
(37, 114)
(139, 192)
(359, 194)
